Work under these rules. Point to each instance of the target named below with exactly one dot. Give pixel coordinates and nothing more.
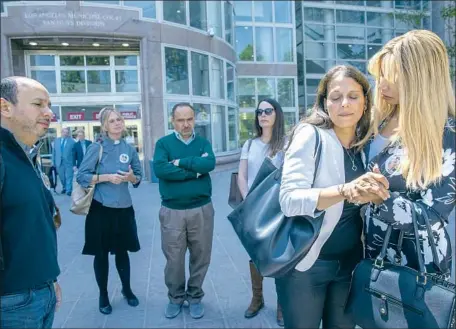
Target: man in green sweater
(182, 162)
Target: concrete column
(6, 63)
(329, 36)
(387, 22)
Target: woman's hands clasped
(370, 187)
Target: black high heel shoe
(104, 305)
(132, 300)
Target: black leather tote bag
(274, 242)
(387, 295)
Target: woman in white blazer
(318, 287)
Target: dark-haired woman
(318, 287)
(269, 142)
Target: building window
(263, 11)
(198, 14)
(42, 60)
(246, 92)
(175, 11)
(203, 120)
(98, 81)
(108, 2)
(282, 11)
(148, 8)
(72, 60)
(264, 44)
(200, 74)
(230, 76)
(46, 78)
(266, 88)
(244, 43)
(243, 11)
(286, 92)
(219, 124)
(229, 22)
(98, 60)
(350, 34)
(319, 15)
(246, 127)
(176, 71)
(284, 44)
(72, 81)
(214, 17)
(232, 131)
(290, 120)
(351, 51)
(379, 19)
(127, 60)
(218, 78)
(350, 17)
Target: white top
(255, 157)
(296, 196)
(377, 145)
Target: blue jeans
(33, 308)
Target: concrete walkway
(227, 285)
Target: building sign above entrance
(71, 19)
(129, 114)
(75, 116)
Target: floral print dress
(438, 200)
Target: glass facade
(208, 83)
(346, 32)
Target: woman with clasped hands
(110, 225)
(318, 287)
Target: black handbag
(387, 295)
(274, 242)
(234, 196)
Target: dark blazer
(78, 153)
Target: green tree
(247, 53)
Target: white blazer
(296, 196)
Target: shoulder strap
(317, 152)
(100, 154)
(250, 144)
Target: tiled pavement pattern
(227, 285)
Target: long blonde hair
(417, 62)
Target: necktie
(62, 145)
(83, 144)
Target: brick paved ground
(227, 284)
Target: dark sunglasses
(267, 111)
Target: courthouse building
(142, 57)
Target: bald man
(29, 291)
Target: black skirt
(110, 230)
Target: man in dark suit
(80, 149)
(62, 160)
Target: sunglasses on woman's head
(267, 111)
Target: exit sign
(75, 116)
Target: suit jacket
(65, 156)
(78, 152)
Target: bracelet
(340, 190)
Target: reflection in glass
(312, 85)
(198, 14)
(98, 81)
(203, 120)
(97, 60)
(219, 129)
(351, 51)
(266, 88)
(71, 60)
(218, 78)
(319, 15)
(246, 92)
(352, 2)
(285, 91)
(108, 2)
(350, 34)
(263, 11)
(320, 67)
(311, 101)
(230, 82)
(176, 71)
(319, 32)
(132, 136)
(284, 43)
(350, 16)
(73, 81)
(175, 11)
(379, 35)
(42, 60)
(47, 79)
(407, 4)
(232, 133)
(126, 81)
(148, 7)
(282, 11)
(244, 43)
(379, 19)
(200, 74)
(243, 10)
(228, 22)
(359, 65)
(264, 44)
(319, 50)
(290, 121)
(128, 60)
(246, 127)
(372, 50)
(214, 16)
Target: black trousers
(317, 294)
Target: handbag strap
(100, 154)
(317, 152)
